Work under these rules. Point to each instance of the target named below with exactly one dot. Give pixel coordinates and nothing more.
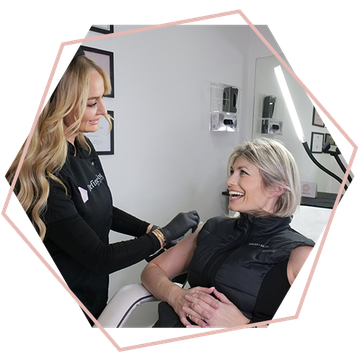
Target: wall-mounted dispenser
(224, 104)
(271, 127)
(268, 125)
(268, 106)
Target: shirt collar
(265, 224)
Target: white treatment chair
(310, 221)
(122, 305)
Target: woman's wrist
(158, 233)
(174, 293)
(150, 228)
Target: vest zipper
(219, 257)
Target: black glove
(174, 231)
(179, 225)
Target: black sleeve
(76, 238)
(125, 223)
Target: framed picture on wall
(102, 139)
(103, 29)
(329, 138)
(104, 59)
(316, 119)
(317, 141)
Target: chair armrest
(122, 305)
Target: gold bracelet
(158, 233)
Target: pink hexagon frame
(321, 244)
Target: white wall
(166, 159)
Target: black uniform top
(78, 220)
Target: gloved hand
(179, 225)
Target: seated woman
(239, 269)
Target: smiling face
(247, 191)
(94, 108)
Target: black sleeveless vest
(234, 255)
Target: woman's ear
(277, 191)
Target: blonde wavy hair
(48, 148)
(277, 168)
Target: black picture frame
(104, 59)
(329, 139)
(316, 119)
(102, 140)
(317, 142)
(103, 29)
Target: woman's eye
(92, 105)
(242, 172)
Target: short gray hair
(277, 167)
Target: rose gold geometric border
(296, 315)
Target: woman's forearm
(157, 275)
(156, 281)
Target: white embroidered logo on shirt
(84, 194)
(96, 182)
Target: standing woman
(63, 189)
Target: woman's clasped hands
(207, 307)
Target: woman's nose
(230, 181)
(101, 109)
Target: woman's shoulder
(296, 261)
(300, 238)
(220, 227)
(219, 221)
